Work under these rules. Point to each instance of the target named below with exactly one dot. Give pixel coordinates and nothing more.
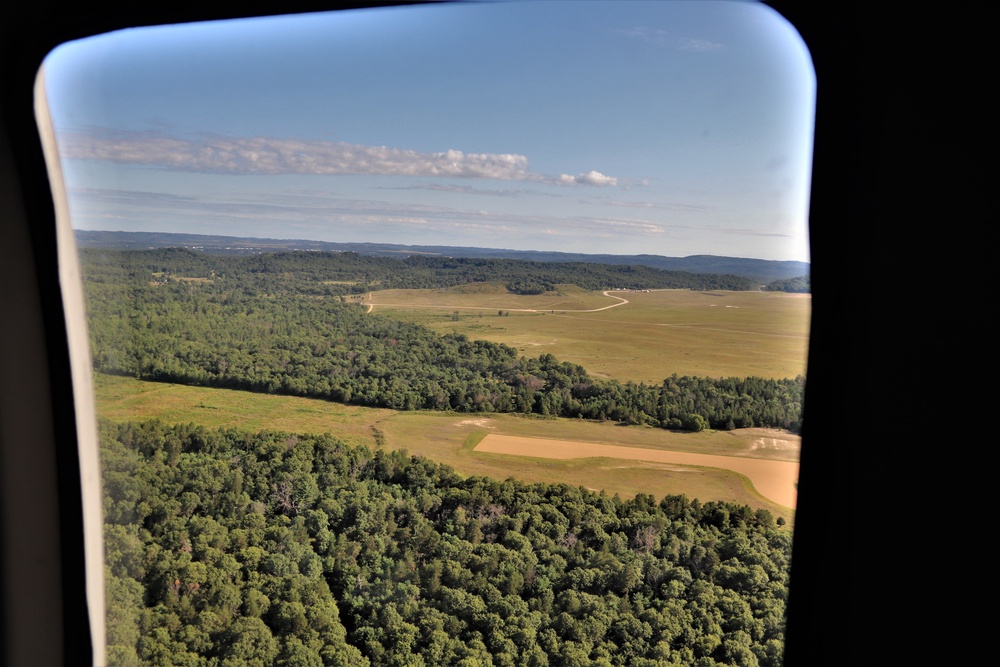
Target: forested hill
(279, 324)
(757, 270)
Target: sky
(671, 128)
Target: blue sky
(670, 128)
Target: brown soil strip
(773, 479)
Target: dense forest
(226, 549)
(282, 323)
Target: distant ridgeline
(759, 271)
(260, 323)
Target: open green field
(128, 399)
(451, 438)
(653, 335)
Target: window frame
(43, 570)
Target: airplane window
(454, 334)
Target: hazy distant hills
(758, 269)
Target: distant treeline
(231, 549)
(335, 273)
(800, 285)
(268, 331)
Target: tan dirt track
(774, 480)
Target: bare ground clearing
(772, 479)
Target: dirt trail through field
(621, 302)
(773, 479)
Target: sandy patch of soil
(773, 444)
(477, 423)
(773, 440)
(772, 479)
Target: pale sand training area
(774, 480)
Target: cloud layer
(264, 155)
(665, 38)
(324, 213)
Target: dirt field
(772, 479)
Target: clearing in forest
(653, 335)
(451, 438)
(773, 479)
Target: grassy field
(451, 438)
(655, 334)
(124, 399)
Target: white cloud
(265, 155)
(647, 34)
(664, 38)
(463, 189)
(324, 212)
(590, 178)
(698, 45)
(665, 206)
(596, 178)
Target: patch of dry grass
(656, 334)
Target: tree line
(799, 285)
(335, 273)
